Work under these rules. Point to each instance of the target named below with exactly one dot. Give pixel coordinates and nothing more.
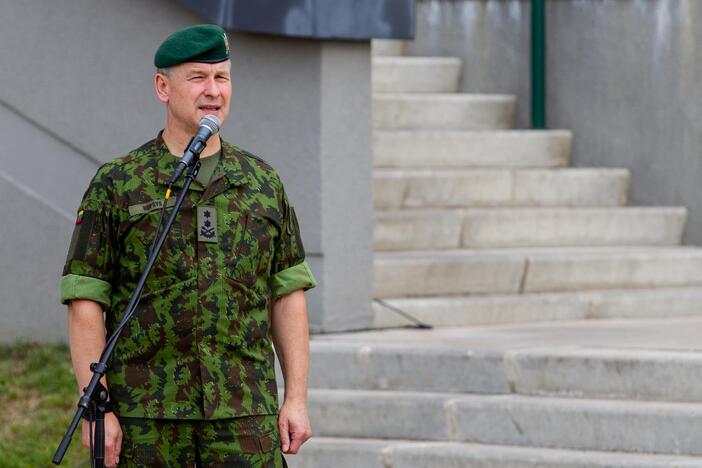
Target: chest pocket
(138, 233)
(251, 253)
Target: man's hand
(292, 345)
(113, 439)
(294, 425)
(86, 337)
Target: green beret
(206, 43)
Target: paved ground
(683, 334)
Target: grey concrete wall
(305, 106)
(629, 86)
(624, 75)
(492, 38)
(346, 185)
(38, 234)
(75, 91)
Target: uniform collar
(229, 169)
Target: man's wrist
(295, 400)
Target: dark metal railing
(538, 64)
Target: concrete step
(635, 374)
(387, 47)
(325, 452)
(422, 229)
(416, 74)
(452, 311)
(406, 367)
(515, 271)
(643, 427)
(444, 188)
(410, 111)
(558, 371)
(606, 425)
(470, 149)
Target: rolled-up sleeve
(290, 271)
(291, 279)
(85, 287)
(87, 273)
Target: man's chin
(216, 112)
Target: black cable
(160, 221)
(99, 368)
(417, 323)
(128, 313)
(369, 329)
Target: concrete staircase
(569, 394)
(477, 224)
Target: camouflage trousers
(246, 442)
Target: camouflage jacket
(199, 345)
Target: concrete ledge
(573, 226)
(471, 149)
(387, 47)
(607, 373)
(615, 270)
(645, 360)
(443, 111)
(499, 309)
(459, 188)
(457, 455)
(500, 271)
(666, 428)
(642, 427)
(471, 272)
(572, 187)
(325, 452)
(375, 414)
(379, 367)
(484, 310)
(416, 74)
(421, 229)
(574, 372)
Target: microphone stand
(95, 393)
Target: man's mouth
(210, 108)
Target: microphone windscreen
(211, 122)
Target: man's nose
(211, 88)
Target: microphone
(209, 125)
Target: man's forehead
(189, 67)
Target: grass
(37, 401)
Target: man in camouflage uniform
(192, 378)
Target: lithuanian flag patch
(79, 219)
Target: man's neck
(176, 141)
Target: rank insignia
(206, 224)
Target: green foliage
(37, 401)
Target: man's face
(193, 90)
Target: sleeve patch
(81, 235)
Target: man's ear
(161, 86)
